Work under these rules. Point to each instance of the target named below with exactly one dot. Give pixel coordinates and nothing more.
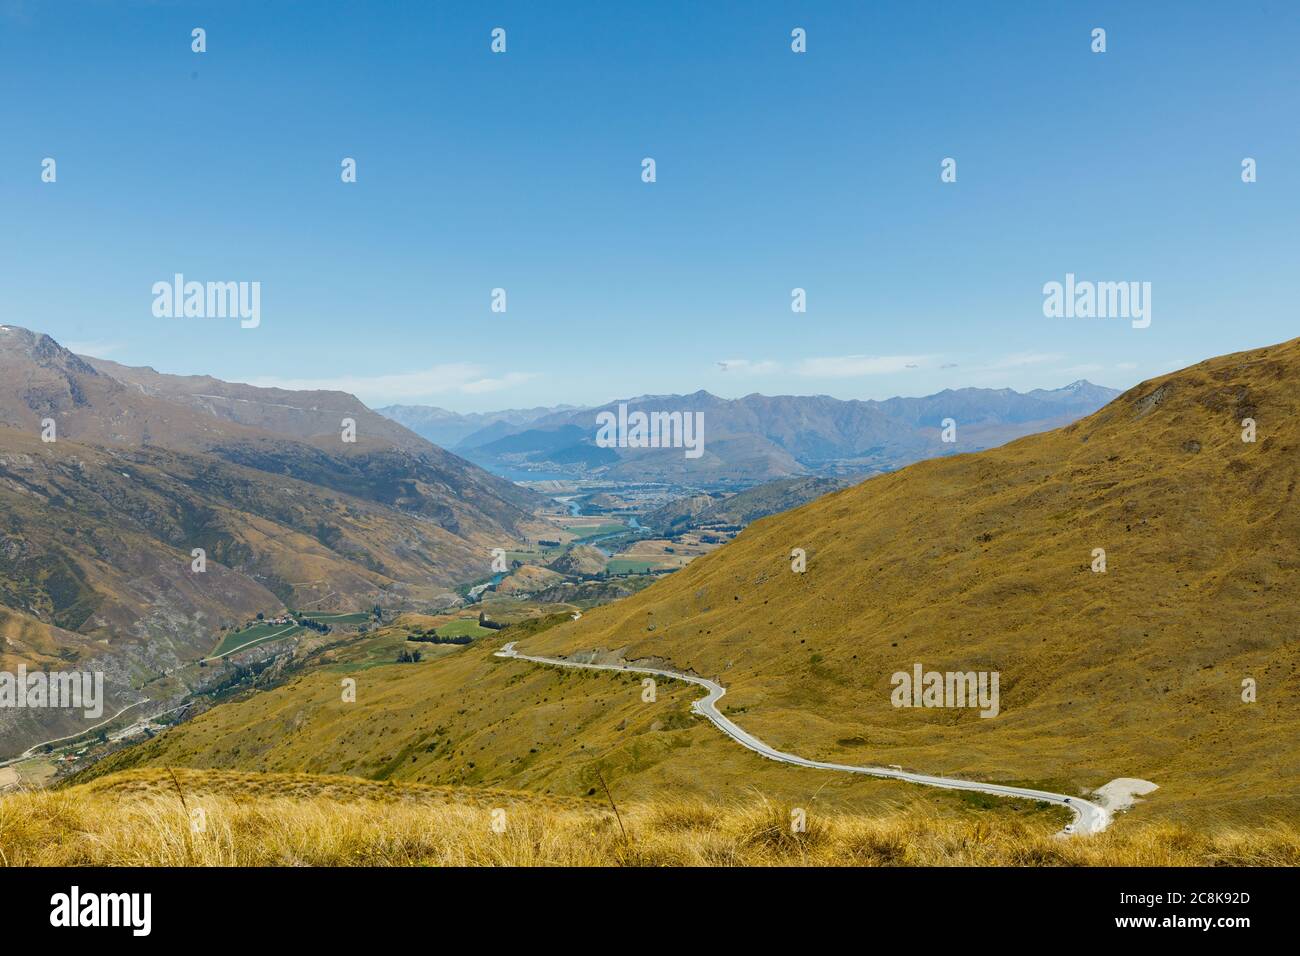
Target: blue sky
(775, 170)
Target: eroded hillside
(108, 486)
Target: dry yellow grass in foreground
(137, 819)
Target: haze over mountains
(99, 525)
(760, 438)
(448, 429)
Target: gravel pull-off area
(1122, 792)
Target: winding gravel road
(1088, 817)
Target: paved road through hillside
(1088, 817)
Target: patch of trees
(433, 637)
(409, 657)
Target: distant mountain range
(98, 526)
(449, 429)
(760, 438)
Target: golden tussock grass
(137, 819)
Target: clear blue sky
(775, 170)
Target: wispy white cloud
(93, 349)
(509, 380)
(749, 366)
(856, 366)
(1021, 359)
(457, 378)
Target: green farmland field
(628, 566)
(256, 634)
(465, 625)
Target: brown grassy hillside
(983, 562)
(466, 718)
